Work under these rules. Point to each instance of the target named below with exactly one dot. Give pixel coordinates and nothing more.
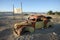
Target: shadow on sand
(5, 33)
(55, 28)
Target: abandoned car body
(34, 22)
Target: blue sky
(31, 5)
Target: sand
(53, 33)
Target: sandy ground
(53, 33)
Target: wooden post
(13, 12)
(22, 11)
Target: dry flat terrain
(6, 28)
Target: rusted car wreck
(34, 22)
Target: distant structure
(17, 11)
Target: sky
(30, 5)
